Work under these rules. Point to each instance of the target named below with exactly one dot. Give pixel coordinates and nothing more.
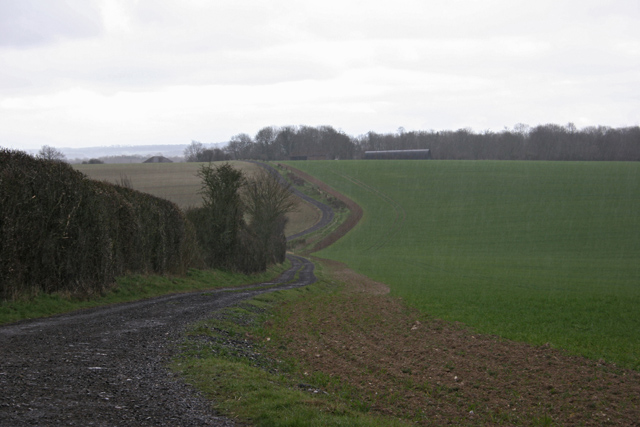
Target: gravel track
(107, 366)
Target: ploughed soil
(370, 346)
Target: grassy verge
(131, 288)
(230, 358)
(341, 352)
(303, 244)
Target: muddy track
(354, 217)
(107, 366)
(327, 213)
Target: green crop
(541, 252)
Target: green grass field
(542, 252)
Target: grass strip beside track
(131, 288)
(343, 352)
(228, 358)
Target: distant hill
(144, 151)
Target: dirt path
(106, 366)
(354, 217)
(326, 211)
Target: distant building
(317, 156)
(398, 155)
(158, 159)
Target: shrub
(267, 201)
(226, 239)
(295, 179)
(220, 219)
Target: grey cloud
(211, 26)
(25, 23)
(357, 65)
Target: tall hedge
(62, 232)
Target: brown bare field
(179, 183)
(365, 344)
(302, 218)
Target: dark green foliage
(267, 201)
(220, 218)
(62, 232)
(248, 257)
(226, 239)
(93, 162)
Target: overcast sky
(77, 73)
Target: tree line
(281, 143)
(543, 142)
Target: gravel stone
(107, 366)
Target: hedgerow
(62, 232)
(241, 223)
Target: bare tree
(50, 153)
(193, 152)
(267, 200)
(265, 141)
(240, 146)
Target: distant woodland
(544, 142)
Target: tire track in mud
(400, 215)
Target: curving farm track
(326, 211)
(106, 366)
